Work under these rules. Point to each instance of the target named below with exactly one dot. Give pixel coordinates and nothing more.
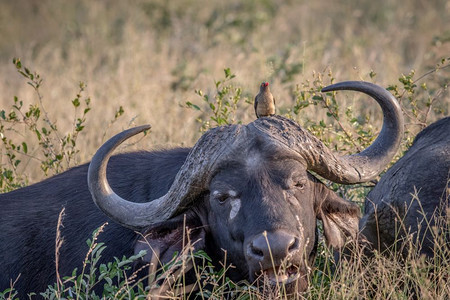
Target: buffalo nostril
(255, 251)
(294, 245)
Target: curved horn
(350, 169)
(190, 181)
(369, 163)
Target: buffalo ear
(340, 220)
(164, 239)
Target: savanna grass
(150, 56)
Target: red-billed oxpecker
(264, 101)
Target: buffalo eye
(300, 184)
(220, 197)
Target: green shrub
(30, 133)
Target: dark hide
(413, 192)
(254, 192)
(29, 217)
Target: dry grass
(150, 56)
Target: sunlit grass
(393, 274)
(150, 56)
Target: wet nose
(272, 247)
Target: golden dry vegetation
(151, 56)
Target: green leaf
(16, 163)
(76, 102)
(191, 105)
(17, 62)
(227, 72)
(24, 147)
(38, 134)
(119, 112)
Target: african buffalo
(413, 196)
(241, 187)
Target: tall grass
(149, 56)
(394, 274)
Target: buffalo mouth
(291, 279)
(279, 276)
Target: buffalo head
(247, 191)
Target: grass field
(141, 61)
(150, 56)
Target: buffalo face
(263, 211)
(260, 215)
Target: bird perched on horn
(264, 101)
